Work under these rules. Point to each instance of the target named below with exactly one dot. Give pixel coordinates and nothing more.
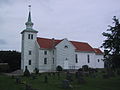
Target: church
(46, 54)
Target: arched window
(88, 58)
(45, 60)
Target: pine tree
(112, 44)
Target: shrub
(85, 67)
(4, 67)
(36, 71)
(26, 72)
(59, 68)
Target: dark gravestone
(33, 76)
(81, 80)
(69, 76)
(18, 80)
(53, 73)
(58, 74)
(66, 84)
(49, 74)
(105, 76)
(76, 74)
(46, 79)
(13, 77)
(28, 87)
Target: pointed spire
(29, 17)
(29, 23)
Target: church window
(76, 58)
(53, 61)
(30, 52)
(29, 62)
(45, 60)
(66, 46)
(98, 60)
(45, 52)
(53, 52)
(88, 58)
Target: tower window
(30, 52)
(30, 36)
(88, 58)
(29, 62)
(76, 58)
(45, 60)
(45, 52)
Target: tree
(112, 44)
(59, 68)
(13, 59)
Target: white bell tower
(28, 53)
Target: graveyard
(61, 81)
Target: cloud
(2, 42)
(4, 1)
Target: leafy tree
(112, 44)
(13, 59)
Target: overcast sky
(79, 20)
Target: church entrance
(66, 64)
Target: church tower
(28, 54)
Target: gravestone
(69, 76)
(66, 84)
(28, 87)
(45, 79)
(18, 80)
(81, 80)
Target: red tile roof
(50, 43)
(98, 51)
(47, 43)
(81, 46)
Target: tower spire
(29, 17)
(29, 23)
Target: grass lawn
(98, 83)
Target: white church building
(46, 54)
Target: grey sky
(79, 20)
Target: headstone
(58, 74)
(81, 80)
(13, 77)
(105, 76)
(46, 79)
(66, 84)
(28, 87)
(69, 76)
(18, 80)
(33, 76)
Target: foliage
(13, 59)
(85, 67)
(59, 68)
(4, 67)
(112, 45)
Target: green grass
(98, 83)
